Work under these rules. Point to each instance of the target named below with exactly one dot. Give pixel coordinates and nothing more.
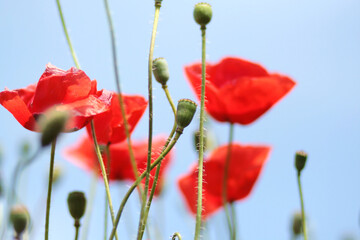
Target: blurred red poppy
(114, 131)
(238, 91)
(83, 155)
(70, 90)
(245, 166)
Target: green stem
(118, 86)
(48, 201)
(77, 226)
(156, 177)
(151, 53)
(302, 207)
(73, 54)
(224, 182)
(103, 171)
(233, 219)
(107, 151)
(176, 235)
(92, 193)
(201, 150)
(138, 180)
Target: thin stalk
(302, 207)
(201, 128)
(73, 54)
(103, 171)
(138, 180)
(77, 226)
(107, 152)
(93, 185)
(176, 235)
(156, 177)
(224, 182)
(48, 201)
(233, 219)
(118, 86)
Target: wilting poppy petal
(245, 166)
(238, 91)
(84, 156)
(114, 131)
(70, 90)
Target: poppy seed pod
(77, 204)
(161, 70)
(52, 123)
(184, 113)
(300, 160)
(19, 216)
(202, 13)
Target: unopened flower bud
(161, 70)
(77, 204)
(300, 160)
(184, 113)
(202, 13)
(297, 224)
(52, 123)
(57, 174)
(19, 217)
(197, 140)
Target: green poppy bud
(184, 113)
(161, 70)
(197, 140)
(19, 217)
(202, 13)
(77, 204)
(52, 123)
(300, 160)
(297, 224)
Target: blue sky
(314, 42)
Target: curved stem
(73, 54)
(107, 152)
(176, 235)
(156, 177)
(224, 182)
(48, 201)
(92, 193)
(138, 180)
(201, 128)
(302, 207)
(103, 171)
(118, 86)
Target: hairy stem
(302, 207)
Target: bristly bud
(197, 140)
(202, 13)
(300, 160)
(184, 114)
(161, 70)
(19, 217)
(297, 224)
(52, 123)
(77, 204)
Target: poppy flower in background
(83, 155)
(70, 90)
(114, 131)
(246, 162)
(238, 91)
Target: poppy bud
(184, 113)
(297, 224)
(58, 172)
(300, 160)
(19, 216)
(197, 140)
(77, 204)
(202, 13)
(161, 70)
(51, 124)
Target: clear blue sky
(315, 42)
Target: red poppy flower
(114, 130)
(245, 166)
(70, 90)
(238, 91)
(83, 155)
